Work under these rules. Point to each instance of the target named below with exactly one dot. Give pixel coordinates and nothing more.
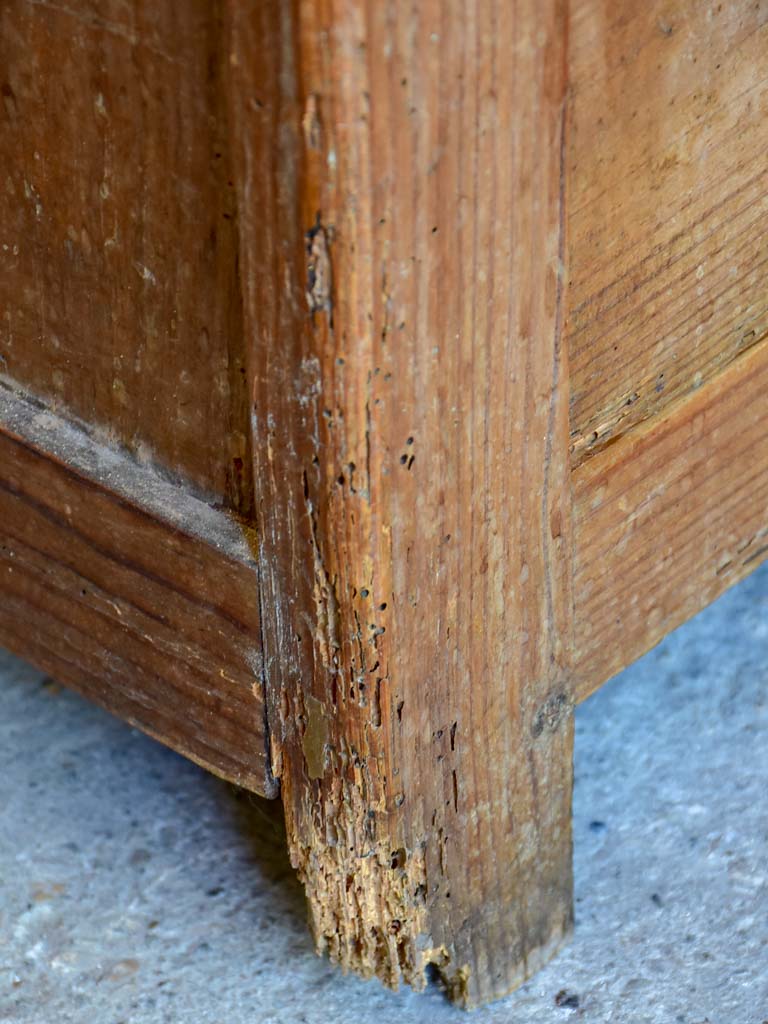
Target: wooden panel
(139, 596)
(119, 295)
(411, 447)
(669, 517)
(668, 213)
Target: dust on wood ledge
(122, 585)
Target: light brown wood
(131, 591)
(119, 297)
(668, 518)
(667, 212)
(410, 442)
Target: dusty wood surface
(667, 213)
(138, 595)
(119, 297)
(410, 441)
(668, 518)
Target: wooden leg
(400, 178)
(482, 890)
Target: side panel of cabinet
(667, 214)
(119, 293)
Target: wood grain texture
(131, 591)
(119, 292)
(668, 518)
(410, 443)
(667, 214)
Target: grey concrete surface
(136, 889)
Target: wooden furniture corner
(378, 380)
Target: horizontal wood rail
(129, 589)
(668, 518)
(461, 309)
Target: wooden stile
(376, 380)
(411, 442)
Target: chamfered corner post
(401, 214)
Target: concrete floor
(136, 889)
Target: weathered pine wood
(410, 441)
(667, 213)
(668, 518)
(119, 296)
(306, 261)
(131, 591)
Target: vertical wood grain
(410, 432)
(119, 292)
